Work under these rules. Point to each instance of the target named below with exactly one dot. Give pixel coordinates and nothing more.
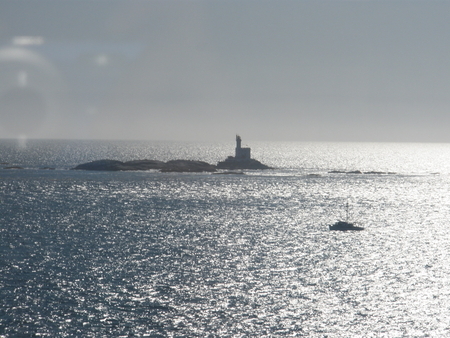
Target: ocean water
(120, 254)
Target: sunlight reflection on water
(192, 255)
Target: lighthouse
(241, 160)
(241, 153)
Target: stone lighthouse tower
(241, 153)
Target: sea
(246, 254)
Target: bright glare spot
(22, 141)
(22, 78)
(27, 40)
(102, 60)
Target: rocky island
(170, 166)
(241, 160)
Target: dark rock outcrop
(144, 164)
(13, 167)
(373, 172)
(101, 165)
(171, 166)
(187, 166)
(113, 165)
(231, 163)
(230, 173)
(241, 160)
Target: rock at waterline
(231, 163)
(170, 166)
(241, 160)
(188, 166)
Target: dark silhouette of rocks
(360, 172)
(171, 166)
(379, 173)
(241, 160)
(144, 164)
(230, 173)
(354, 172)
(113, 165)
(231, 163)
(13, 167)
(187, 166)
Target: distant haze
(206, 70)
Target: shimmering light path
(198, 255)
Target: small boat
(345, 225)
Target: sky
(192, 70)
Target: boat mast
(346, 212)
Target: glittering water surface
(200, 255)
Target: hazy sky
(206, 70)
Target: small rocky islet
(362, 172)
(170, 166)
(241, 160)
